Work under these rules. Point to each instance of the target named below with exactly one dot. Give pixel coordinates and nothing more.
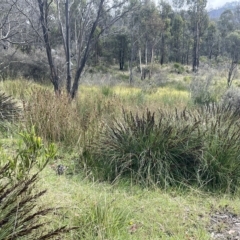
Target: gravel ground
(224, 224)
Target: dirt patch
(224, 224)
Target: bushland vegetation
(176, 138)
(147, 149)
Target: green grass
(124, 209)
(21, 89)
(129, 212)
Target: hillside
(216, 13)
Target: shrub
(31, 153)
(107, 91)
(202, 90)
(232, 98)
(187, 79)
(178, 68)
(20, 213)
(16, 64)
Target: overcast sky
(215, 3)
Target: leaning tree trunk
(131, 61)
(232, 67)
(80, 68)
(43, 8)
(195, 63)
(121, 53)
(162, 50)
(140, 63)
(68, 58)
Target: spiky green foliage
(20, 215)
(221, 150)
(163, 151)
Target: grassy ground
(121, 210)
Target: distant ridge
(216, 13)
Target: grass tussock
(160, 150)
(21, 89)
(58, 119)
(9, 110)
(104, 220)
(198, 148)
(221, 150)
(52, 117)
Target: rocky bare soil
(224, 224)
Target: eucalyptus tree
(226, 25)
(149, 20)
(177, 28)
(12, 24)
(5, 23)
(154, 28)
(236, 13)
(15, 34)
(197, 11)
(198, 24)
(122, 49)
(186, 38)
(211, 41)
(81, 24)
(233, 50)
(44, 17)
(166, 15)
(149, 28)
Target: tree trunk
(121, 52)
(86, 53)
(196, 48)
(152, 62)
(43, 8)
(68, 57)
(140, 63)
(231, 73)
(163, 50)
(146, 54)
(131, 60)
